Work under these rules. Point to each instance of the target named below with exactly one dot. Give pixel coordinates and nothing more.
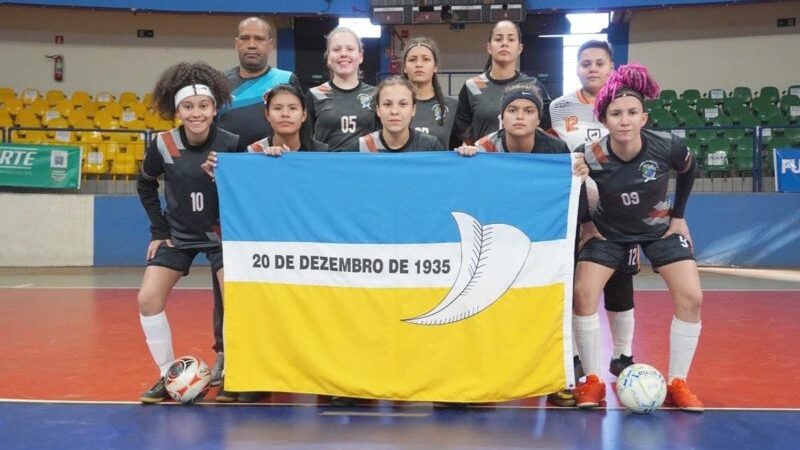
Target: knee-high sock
(587, 336)
(683, 337)
(621, 324)
(159, 339)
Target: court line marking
(335, 409)
(186, 288)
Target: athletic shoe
(679, 395)
(617, 365)
(591, 393)
(156, 394)
(578, 368)
(563, 398)
(343, 401)
(224, 396)
(252, 397)
(218, 369)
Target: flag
(418, 276)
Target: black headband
(522, 93)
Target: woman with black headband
(520, 108)
(631, 166)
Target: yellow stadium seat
(51, 115)
(114, 108)
(91, 140)
(124, 163)
(53, 96)
(134, 125)
(58, 132)
(29, 136)
(110, 150)
(5, 119)
(127, 98)
(90, 109)
(81, 98)
(39, 107)
(78, 116)
(152, 119)
(94, 162)
(148, 99)
(29, 95)
(6, 92)
(27, 118)
(137, 148)
(140, 109)
(13, 105)
(64, 107)
(104, 97)
(105, 121)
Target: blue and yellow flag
(424, 276)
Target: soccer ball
(188, 379)
(641, 388)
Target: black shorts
(618, 255)
(181, 259)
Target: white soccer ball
(641, 388)
(188, 379)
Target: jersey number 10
(197, 201)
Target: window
(583, 27)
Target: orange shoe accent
(679, 395)
(591, 393)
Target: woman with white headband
(190, 222)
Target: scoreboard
(399, 12)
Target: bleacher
(723, 128)
(112, 131)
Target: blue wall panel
(750, 230)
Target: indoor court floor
(75, 363)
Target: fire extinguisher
(58, 66)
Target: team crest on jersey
(649, 170)
(365, 100)
(437, 112)
(593, 134)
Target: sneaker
(218, 370)
(591, 393)
(679, 395)
(343, 401)
(156, 394)
(617, 365)
(578, 368)
(224, 396)
(252, 397)
(563, 398)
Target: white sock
(575, 351)
(587, 337)
(683, 337)
(621, 324)
(159, 339)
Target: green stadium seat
(737, 111)
(777, 120)
(679, 104)
(668, 96)
(743, 93)
(705, 135)
(793, 90)
(692, 120)
(734, 134)
(718, 155)
(720, 121)
(691, 96)
(729, 103)
(749, 121)
(793, 135)
(716, 95)
(777, 142)
(743, 156)
(652, 104)
(662, 119)
(790, 105)
(770, 93)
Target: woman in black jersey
(340, 110)
(285, 110)
(520, 108)
(478, 112)
(435, 111)
(395, 105)
(190, 222)
(631, 167)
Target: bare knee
(584, 301)
(149, 304)
(688, 305)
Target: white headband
(191, 90)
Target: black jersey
(479, 101)
(245, 115)
(417, 142)
(339, 117)
(191, 216)
(542, 143)
(310, 145)
(430, 113)
(633, 204)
